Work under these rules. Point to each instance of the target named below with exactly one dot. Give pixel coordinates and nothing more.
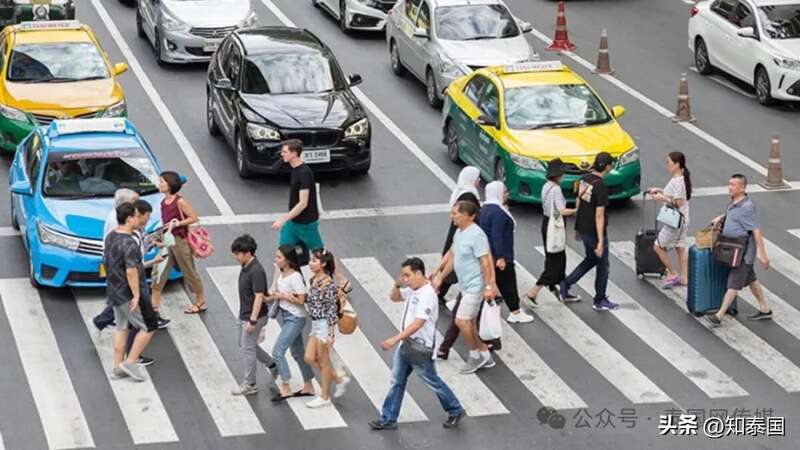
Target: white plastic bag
(556, 231)
(491, 326)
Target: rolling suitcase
(647, 261)
(707, 283)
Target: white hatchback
(757, 41)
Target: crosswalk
(196, 340)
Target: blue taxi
(62, 184)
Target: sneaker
(132, 370)
(489, 363)
(564, 295)
(380, 425)
(245, 389)
(453, 421)
(715, 322)
(145, 361)
(761, 315)
(530, 302)
(117, 373)
(163, 323)
(520, 317)
(318, 402)
(340, 388)
(605, 305)
(472, 365)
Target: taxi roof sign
(533, 66)
(50, 25)
(75, 126)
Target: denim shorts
(319, 329)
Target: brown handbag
(707, 237)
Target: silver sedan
(441, 40)
(185, 31)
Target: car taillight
(693, 11)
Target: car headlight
(787, 63)
(527, 163)
(358, 129)
(262, 133)
(628, 157)
(171, 23)
(370, 3)
(13, 114)
(116, 110)
(450, 68)
(48, 236)
(250, 20)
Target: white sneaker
(340, 389)
(318, 402)
(520, 317)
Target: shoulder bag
(414, 351)
(730, 251)
(198, 237)
(556, 230)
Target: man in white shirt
(417, 340)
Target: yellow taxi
(54, 70)
(509, 121)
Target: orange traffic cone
(774, 169)
(561, 42)
(603, 62)
(683, 113)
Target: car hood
(87, 217)
(327, 109)
(787, 47)
(572, 144)
(76, 94)
(209, 13)
(490, 52)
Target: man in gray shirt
(741, 220)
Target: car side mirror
(120, 68)
(224, 84)
(526, 27)
(22, 187)
(421, 33)
(618, 111)
(487, 122)
(354, 79)
(747, 32)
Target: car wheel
(241, 158)
(139, 27)
(451, 138)
(432, 90)
(343, 17)
(500, 170)
(211, 122)
(397, 66)
(157, 49)
(315, 3)
(14, 222)
(763, 87)
(701, 59)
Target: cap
(556, 168)
(602, 160)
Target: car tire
(14, 222)
(315, 3)
(241, 158)
(432, 90)
(763, 87)
(500, 170)
(31, 277)
(343, 17)
(451, 140)
(211, 122)
(397, 64)
(157, 49)
(702, 60)
(139, 26)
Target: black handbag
(730, 251)
(414, 351)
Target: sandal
(196, 309)
(278, 397)
(300, 393)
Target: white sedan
(757, 41)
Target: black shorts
(741, 277)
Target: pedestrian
(677, 193)
(554, 205)
(592, 225)
(471, 258)
(177, 210)
(498, 224)
(741, 221)
(290, 293)
(322, 302)
(417, 341)
(127, 293)
(252, 312)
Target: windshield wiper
(558, 125)
(78, 196)
(479, 38)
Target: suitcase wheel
(640, 275)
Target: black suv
(269, 84)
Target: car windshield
(781, 21)
(474, 22)
(289, 73)
(57, 62)
(98, 173)
(553, 106)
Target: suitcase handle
(644, 211)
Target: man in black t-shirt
(591, 224)
(301, 223)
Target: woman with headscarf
(498, 224)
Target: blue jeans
(291, 337)
(590, 262)
(427, 372)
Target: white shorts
(319, 330)
(469, 306)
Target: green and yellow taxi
(509, 121)
(54, 70)
(16, 11)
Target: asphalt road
(648, 52)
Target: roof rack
(534, 66)
(49, 25)
(77, 126)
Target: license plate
(210, 46)
(102, 271)
(316, 156)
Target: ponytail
(680, 159)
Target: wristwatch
(252, 322)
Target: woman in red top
(177, 211)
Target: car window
(781, 21)
(234, 65)
(291, 73)
(412, 7)
(724, 8)
(222, 55)
(98, 173)
(552, 106)
(743, 17)
(2, 54)
(490, 102)
(33, 157)
(474, 87)
(474, 22)
(424, 18)
(58, 61)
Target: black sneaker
(453, 421)
(761, 315)
(163, 323)
(715, 322)
(145, 361)
(380, 425)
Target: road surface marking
(474, 395)
(59, 409)
(780, 259)
(748, 344)
(139, 403)
(169, 120)
(529, 368)
(233, 415)
(226, 279)
(702, 372)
